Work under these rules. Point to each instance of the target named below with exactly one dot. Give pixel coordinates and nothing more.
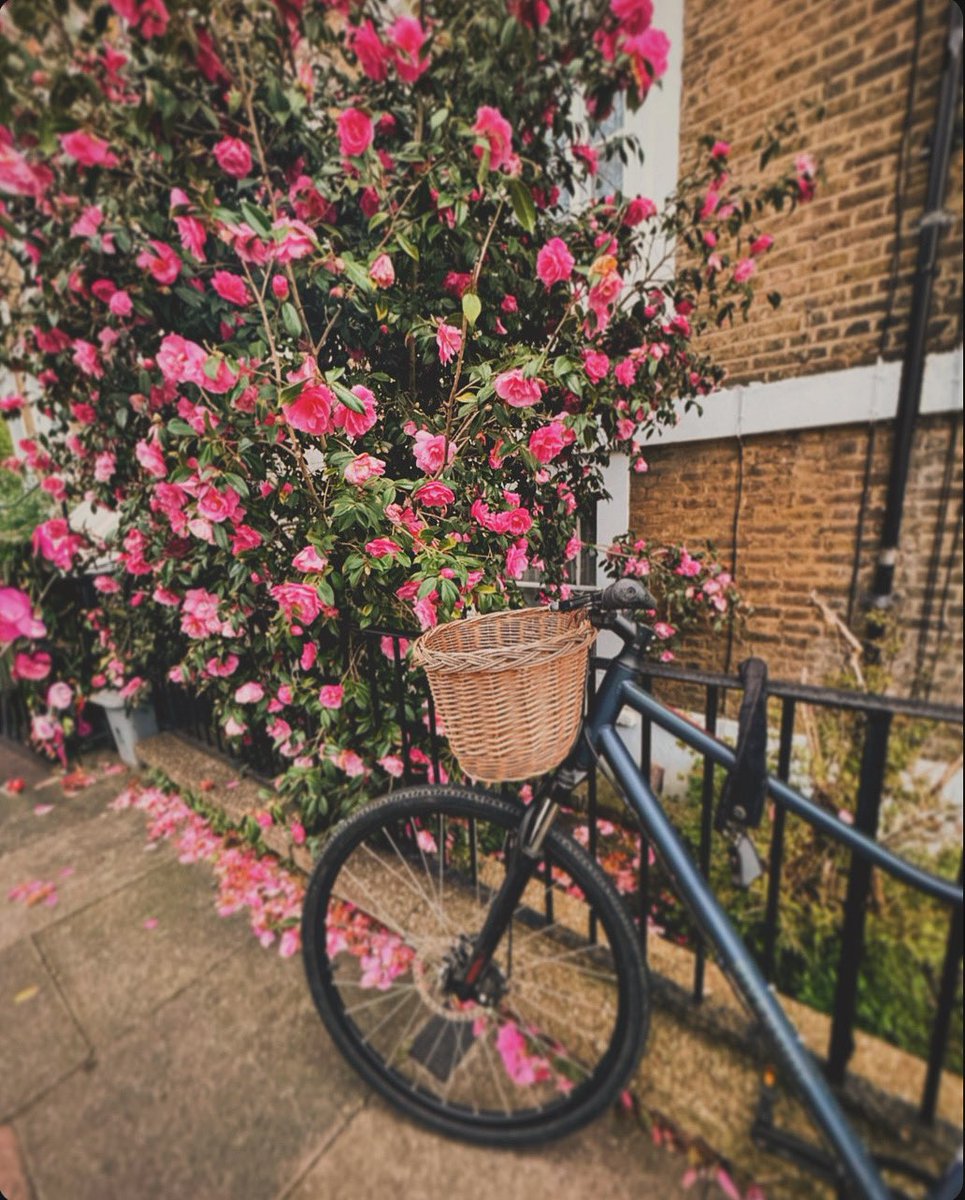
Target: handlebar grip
(626, 593)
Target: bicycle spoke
(534, 1037)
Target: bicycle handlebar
(622, 594)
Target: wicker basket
(509, 688)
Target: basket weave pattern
(508, 687)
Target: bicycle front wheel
(561, 1014)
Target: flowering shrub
(689, 587)
(311, 315)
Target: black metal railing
(878, 713)
(401, 696)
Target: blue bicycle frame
(600, 739)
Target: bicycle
(479, 969)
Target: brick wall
(745, 62)
(797, 497)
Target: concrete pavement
(150, 1048)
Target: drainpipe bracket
(937, 216)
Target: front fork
(523, 859)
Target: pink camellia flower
(295, 240)
(222, 669)
(363, 468)
(639, 209)
(382, 272)
(492, 128)
(807, 169)
(233, 157)
(234, 728)
(88, 150)
(744, 270)
(181, 361)
(193, 236)
(231, 287)
(587, 155)
(86, 358)
(424, 608)
(11, 404)
(382, 547)
(349, 762)
(279, 287)
(16, 617)
(517, 560)
(311, 411)
(546, 442)
(120, 304)
(430, 451)
(373, 55)
(309, 560)
(407, 37)
(393, 765)
(449, 342)
(663, 630)
(434, 494)
(249, 693)
(760, 244)
(596, 364)
(151, 459)
(298, 601)
(518, 391)
(354, 423)
(355, 132)
(218, 506)
(720, 149)
(153, 17)
(297, 831)
(331, 695)
(54, 541)
(59, 696)
(554, 263)
(30, 666)
(199, 613)
(648, 52)
(163, 265)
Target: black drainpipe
(930, 228)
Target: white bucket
(128, 726)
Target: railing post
(776, 859)
(873, 761)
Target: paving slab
(384, 1156)
(85, 860)
(20, 825)
(121, 957)
(40, 1042)
(218, 1096)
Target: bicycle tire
(400, 1075)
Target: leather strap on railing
(744, 792)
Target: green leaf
(523, 205)
(439, 117)
(471, 307)
(255, 218)
(407, 246)
(346, 397)
(290, 319)
(181, 428)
